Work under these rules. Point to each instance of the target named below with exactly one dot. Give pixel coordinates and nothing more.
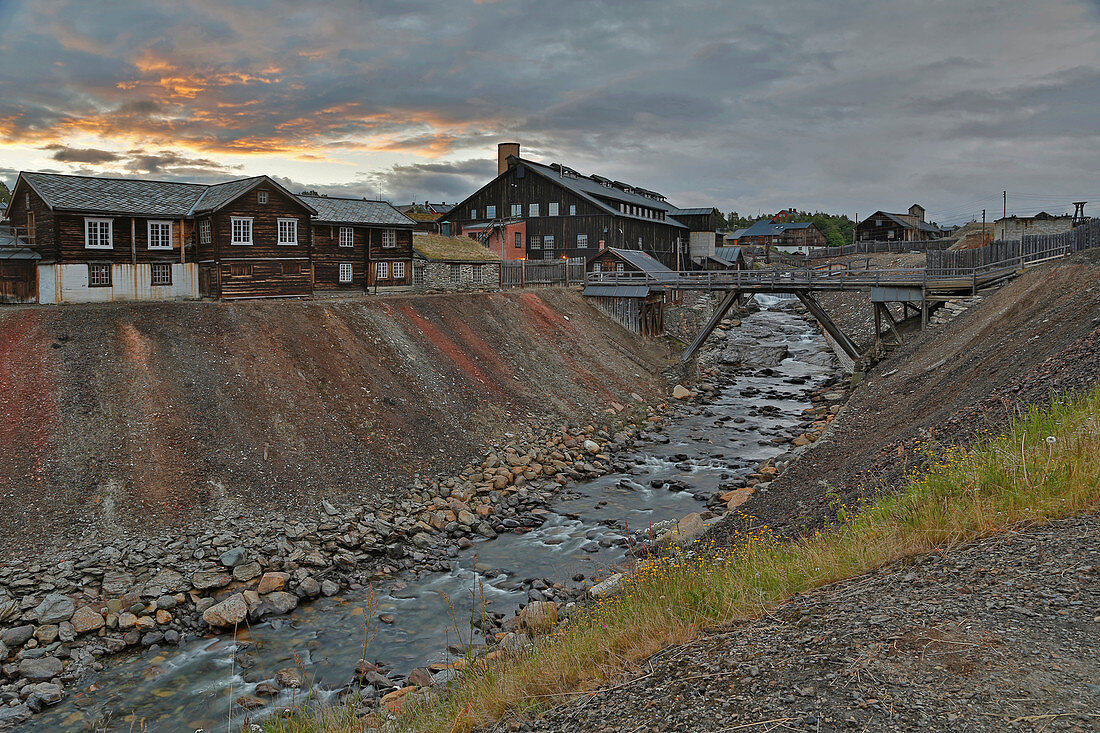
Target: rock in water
(754, 355)
(40, 670)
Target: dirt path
(1001, 635)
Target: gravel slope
(1000, 635)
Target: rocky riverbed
(63, 621)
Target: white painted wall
(702, 245)
(69, 284)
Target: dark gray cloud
(846, 105)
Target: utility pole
(1004, 210)
(985, 239)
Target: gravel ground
(1000, 635)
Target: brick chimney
(503, 151)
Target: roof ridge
(119, 178)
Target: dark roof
(701, 211)
(616, 291)
(720, 260)
(115, 195)
(728, 253)
(333, 210)
(138, 197)
(737, 233)
(592, 191)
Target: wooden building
(884, 226)
(798, 236)
(636, 302)
(360, 244)
(566, 214)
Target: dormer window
(261, 197)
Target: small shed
(735, 256)
(453, 264)
(637, 300)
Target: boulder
(231, 611)
(689, 529)
(17, 636)
(279, 602)
(271, 582)
(681, 392)
(606, 587)
(127, 620)
(54, 609)
(116, 582)
(591, 446)
(86, 619)
(247, 571)
(289, 677)
(538, 617)
(754, 355)
(233, 557)
(11, 717)
(41, 669)
(47, 693)
(209, 579)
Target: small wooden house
(631, 287)
(360, 244)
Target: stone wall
(436, 277)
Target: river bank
(521, 508)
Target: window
(240, 270)
(548, 242)
(291, 268)
(534, 242)
(345, 272)
(288, 231)
(476, 273)
(162, 274)
(27, 200)
(878, 222)
(160, 235)
(582, 241)
(204, 231)
(347, 237)
(519, 240)
(261, 197)
(619, 268)
(398, 270)
(533, 210)
(382, 271)
(490, 212)
(473, 213)
(639, 242)
(552, 208)
(389, 238)
(456, 273)
(517, 209)
(241, 228)
(572, 209)
(99, 276)
(97, 234)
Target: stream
(193, 687)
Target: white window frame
(572, 209)
(548, 242)
(454, 273)
(477, 273)
(382, 271)
(157, 224)
(204, 232)
(517, 209)
(582, 241)
(346, 237)
(389, 238)
(533, 210)
(243, 220)
(473, 213)
(105, 268)
(490, 212)
(261, 197)
(552, 208)
(346, 273)
(293, 229)
(99, 234)
(163, 267)
(398, 270)
(534, 241)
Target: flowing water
(193, 686)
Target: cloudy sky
(753, 105)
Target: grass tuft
(1043, 467)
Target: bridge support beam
(827, 323)
(719, 314)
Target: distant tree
(310, 192)
(5, 194)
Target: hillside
(154, 414)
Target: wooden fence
(875, 247)
(1013, 253)
(524, 273)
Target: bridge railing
(795, 278)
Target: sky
(750, 105)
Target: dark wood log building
(570, 215)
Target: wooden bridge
(946, 275)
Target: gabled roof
(138, 197)
(728, 253)
(335, 210)
(127, 196)
(736, 234)
(593, 191)
(641, 261)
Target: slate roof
(333, 210)
(699, 211)
(127, 196)
(772, 228)
(137, 197)
(616, 291)
(592, 191)
(736, 234)
(644, 262)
